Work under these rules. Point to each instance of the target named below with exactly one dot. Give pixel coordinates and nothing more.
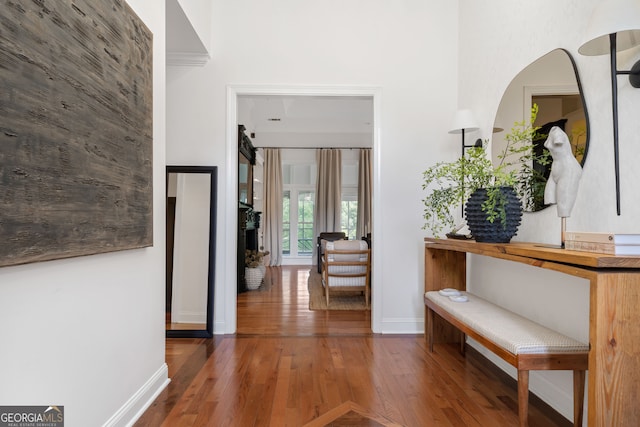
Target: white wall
(497, 40)
(199, 14)
(88, 332)
(407, 49)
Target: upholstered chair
(346, 267)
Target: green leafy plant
(520, 157)
(449, 184)
(577, 137)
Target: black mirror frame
(213, 171)
(584, 105)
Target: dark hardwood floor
(288, 366)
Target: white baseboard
(133, 409)
(190, 317)
(402, 326)
(219, 327)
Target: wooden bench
(524, 344)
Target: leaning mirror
(191, 237)
(552, 82)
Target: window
(306, 201)
(297, 222)
(349, 217)
(304, 224)
(286, 225)
(299, 177)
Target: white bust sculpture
(562, 185)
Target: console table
(614, 313)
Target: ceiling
(307, 121)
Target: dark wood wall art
(75, 129)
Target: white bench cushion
(506, 329)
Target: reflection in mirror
(245, 180)
(191, 208)
(552, 82)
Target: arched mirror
(191, 238)
(552, 82)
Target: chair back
(350, 250)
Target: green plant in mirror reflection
(531, 169)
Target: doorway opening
(285, 97)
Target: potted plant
(254, 268)
(496, 189)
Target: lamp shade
(612, 16)
(464, 119)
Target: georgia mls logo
(32, 416)
(56, 411)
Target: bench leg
(428, 331)
(578, 397)
(523, 397)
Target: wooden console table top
(538, 251)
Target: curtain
(364, 193)
(272, 216)
(328, 205)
